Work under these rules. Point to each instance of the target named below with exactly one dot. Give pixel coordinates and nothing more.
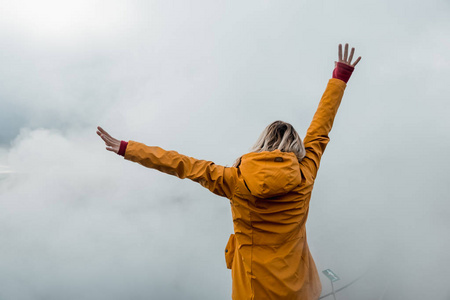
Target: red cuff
(122, 148)
(343, 72)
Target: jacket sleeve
(316, 138)
(218, 179)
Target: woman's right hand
(347, 59)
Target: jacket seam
(278, 244)
(251, 258)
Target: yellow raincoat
(269, 194)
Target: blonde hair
(278, 135)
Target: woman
(269, 191)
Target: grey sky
(204, 78)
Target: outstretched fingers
(356, 62)
(345, 57)
(345, 52)
(103, 131)
(351, 55)
(112, 144)
(108, 140)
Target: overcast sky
(205, 78)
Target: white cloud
(68, 20)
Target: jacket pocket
(229, 251)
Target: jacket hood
(270, 173)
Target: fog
(205, 78)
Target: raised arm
(218, 179)
(317, 138)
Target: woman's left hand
(112, 143)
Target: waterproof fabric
(269, 194)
